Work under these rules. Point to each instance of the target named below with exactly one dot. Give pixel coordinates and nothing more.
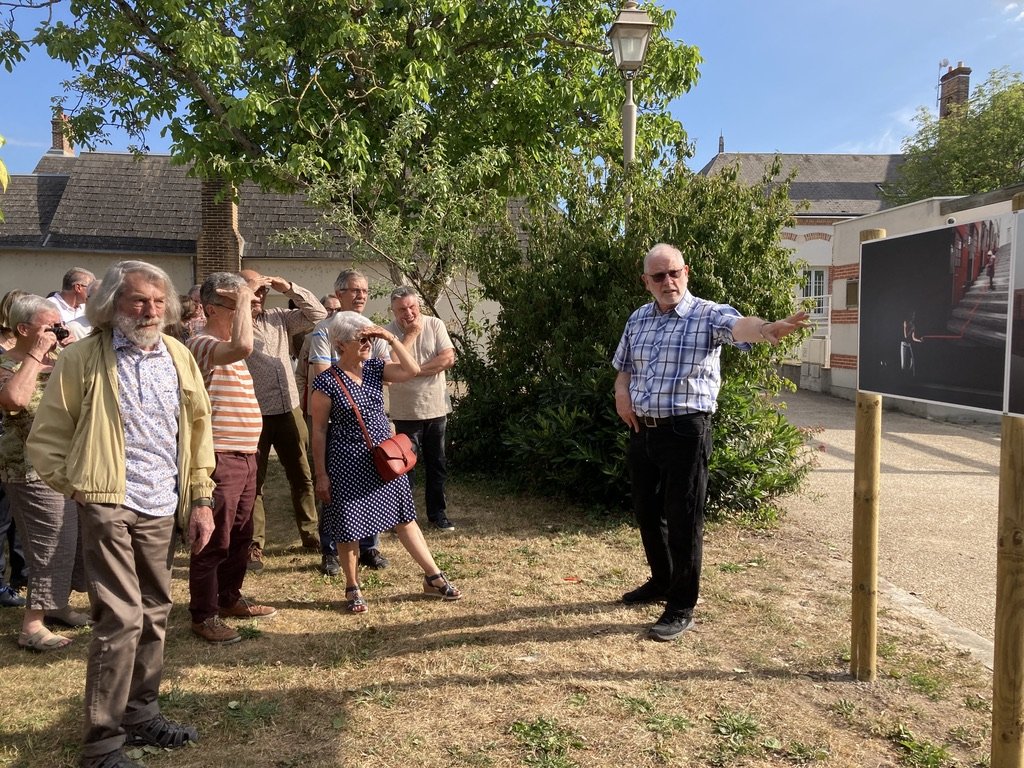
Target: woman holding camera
(47, 521)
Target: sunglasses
(675, 274)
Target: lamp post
(629, 35)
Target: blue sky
(786, 76)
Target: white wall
(40, 272)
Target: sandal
(356, 604)
(445, 590)
(43, 640)
(160, 732)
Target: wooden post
(1008, 666)
(866, 471)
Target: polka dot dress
(361, 503)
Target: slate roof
(127, 203)
(833, 185)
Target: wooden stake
(864, 603)
(1008, 666)
(866, 472)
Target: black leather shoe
(329, 565)
(373, 559)
(670, 626)
(648, 592)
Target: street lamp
(629, 35)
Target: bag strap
(359, 416)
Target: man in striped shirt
(216, 574)
(666, 391)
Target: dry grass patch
(538, 665)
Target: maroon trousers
(215, 575)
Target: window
(813, 289)
(852, 294)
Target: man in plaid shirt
(668, 382)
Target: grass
(539, 665)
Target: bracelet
(29, 354)
(761, 329)
(203, 501)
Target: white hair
(345, 326)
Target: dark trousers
(215, 574)
(668, 467)
(428, 435)
(286, 434)
(128, 559)
(9, 536)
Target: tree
(540, 406)
(978, 147)
(363, 100)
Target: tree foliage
(540, 405)
(364, 98)
(978, 147)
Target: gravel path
(937, 510)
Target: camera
(59, 331)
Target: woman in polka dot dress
(357, 503)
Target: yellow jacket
(77, 440)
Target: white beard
(142, 332)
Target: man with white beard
(123, 428)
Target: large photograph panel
(934, 311)
(1015, 387)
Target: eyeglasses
(232, 307)
(261, 291)
(360, 342)
(675, 274)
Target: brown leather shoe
(215, 631)
(246, 609)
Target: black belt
(651, 422)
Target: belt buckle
(649, 421)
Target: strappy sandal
(356, 604)
(43, 640)
(445, 590)
(160, 732)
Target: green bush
(538, 406)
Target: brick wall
(219, 245)
(844, 361)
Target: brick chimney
(954, 88)
(60, 144)
(219, 244)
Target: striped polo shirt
(236, 418)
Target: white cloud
(13, 142)
(1019, 17)
(1011, 7)
(898, 125)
